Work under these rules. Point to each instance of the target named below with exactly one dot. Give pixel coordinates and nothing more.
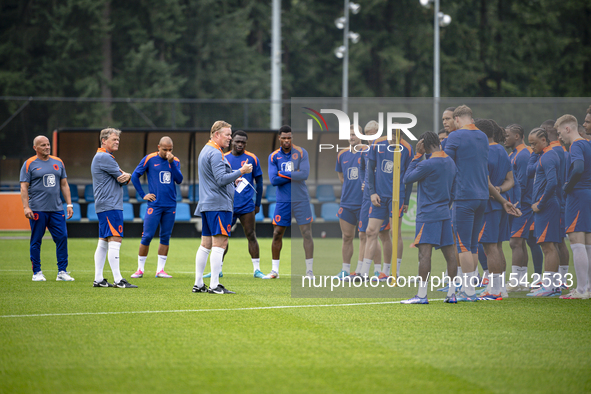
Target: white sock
(113, 257)
(256, 264)
(398, 262)
(200, 263)
(366, 267)
(161, 263)
(522, 273)
(217, 255)
(460, 275)
(347, 268)
(503, 282)
(557, 280)
(451, 289)
(310, 264)
(485, 274)
(141, 263)
(275, 265)
(387, 268)
(468, 288)
(563, 270)
(547, 274)
(99, 260)
(422, 288)
(377, 267)
(588, 248)
(495, 284)
(581, 263)
(359, 266)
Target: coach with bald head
(42, 177)
(162, 170)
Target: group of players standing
(494, 197)
(471, 194)
(222, 202)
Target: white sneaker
(162, 274)
(575, 295)
(39, 277)
(518, 287)
(272, 275)
(65, 276)
(310, 274)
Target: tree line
(221, 49)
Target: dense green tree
(219, 49)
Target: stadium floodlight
(354, 37)
(444, 19)
(340, 52)
(354, 7)
(439, 20)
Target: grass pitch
(71, 337)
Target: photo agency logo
(345, 127)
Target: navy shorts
(547, 223)
(110, 224)
(302, 212)
(491, 228)
(364, 218)
(438, 234)
(468, 219)
(349, 215)
(216, 223)
(578, 211)
(520, 225)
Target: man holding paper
(216, 192)
(245, 206)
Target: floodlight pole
(396, 203)
(276, 66)
(436, 68)
(346, 59)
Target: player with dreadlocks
(545, 165)
(435, 179)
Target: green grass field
(71, 337)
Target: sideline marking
(131, 272)
(207, 310)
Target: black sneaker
(123, 284)
(220, 290)
(202, 289)
(102, 283)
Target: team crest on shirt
(387, 166)
(287, 166)
(165, 177)
(49, 180)
(353, 173)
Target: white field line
(207, 310)
(73, 272)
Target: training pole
(395, 201)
